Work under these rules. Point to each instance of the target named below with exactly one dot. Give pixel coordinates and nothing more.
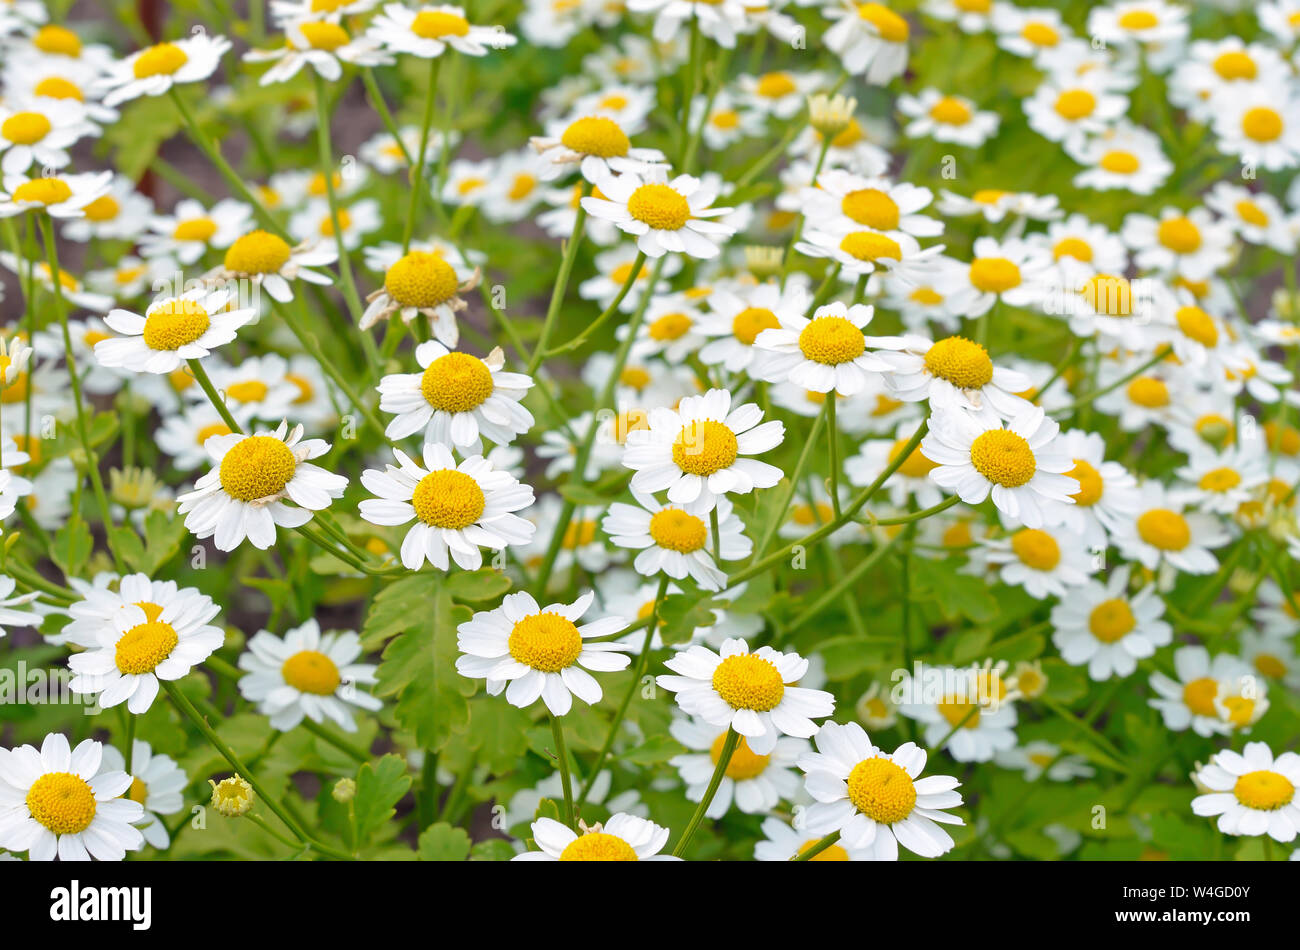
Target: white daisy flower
(623, 838)
(1276, 614)
(1221, 482)
(306, 673)
(869, 38)
(994, 205)
(973, 707)
(62, 802)
(756, 783)
(696, 451)
(678, 540)
(952, 373)
(120, 214)
(171, 331)
(874, 799)
(910, 480)
(1038, 33)
(781, 842)
(825, 354)
(1261, 125)
(737, 315)
(10, 617)
(862, 252)
(1068, 108)
(779, 93)
(272, 264)
(154, 70)
(1252, 792)
(39, 130)
(1191, 699)
(1124, 156)
(1162, 533)
(599, 144)
(1035, 759)
(139, 644)
(1021, 465)
(429, 30)
(752, 693)
(157, 784)
(1012, 271)
(1080, 241)
(182, 435)
(719, 21)
(243, 496)
(1254, 216)
(1044, 561)
(539, 652)
(1214, 70)
(191, 229)
(664, 215)
(1107, 493)
(1188, 244)
(1109, 629)
(324, 45)
(422, 282)
(457, 399)
(843, 201)
(1151, 397)
(458, 508)
(1157, 28)
(59, 196)
(944, 118)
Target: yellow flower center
(988, 196)
(1180, 234)
(104, 208)
(579, 534)
(457, 382)
(546, 642)
(62, 802)
(834, 853)
(1252, 213)
(994, 275)
(1075, 104)
(1269, 665)
(881, 790)
(1036, 549)
(1220, 480)
(448, 499)
(660, 207)
(1090, 483)
(56, 87)
(676, 530)
(174, 324)
(521, 186)
(257, 467)
(725, 119)
(421, 279)
(1198, 696)
(160, 60)
(327, 223)
(1234, 65)
(744, 762)
(310, 671)
(1264, 790)
(956, 709)
(927, 296)
(1003, 457)
(1148, 392)
(960, 361)
(1197, 325)
(958, 536)
(195, 229)
(871, 207)
(1040, 34)
(1120, 162)
(633, 420)
(749, 682)
(596, 135)
(671, 326)
(1262, 124)
(1164, 529)
(1077, 248)
(704, 447)
(750, 322)
(1111, 620)
(25, 128)
(43, 191)
(435, 24)
(57, 40)
(870, 246)
(831, 340)
(775, 85)
(598, 846)
(258, 252)
(144, 646)
(916, 465)
(1284, 439)
(208, 431)
(324, 35)
(891, 27)
(138, 792)
(805, 515)
(249, 390)
(950, 111)
(973, 6)
(1138, 20)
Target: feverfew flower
(825, 354)
(156, 69)
(664, 215)
(171, 331)
(1252, 792)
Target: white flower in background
(678, 540)
(157, 784)
(756, 783)
(1125, 156)
(1162, 532)
(59, 196)
(272, 264)
(663, 215)
(720, 21)
(735, 316)
(457, 508)
(39, 131)
(947, 118)
(324, 45)
(428, 31)
(1044, 561)
(952, 373)
(623, 838)
(824, 354)
(1252, 792)
(869, 38)
(9, 616)
(1190, 700)
(308, 674)
(781, 842)
(156, 69)
(1035, 759)
(1109, 629)
(171, 331)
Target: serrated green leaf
(443, 842)
(379, 788)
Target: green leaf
(654, 750)
(163, 535)
(128, 545)
(379, 788)
(682, 614)
(476, 587)
(957, 595)
(419, 668)
(72, 546)
(397, 608)
(493, 849)
(443, 842)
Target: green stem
(557, 731)
(214, 397)
(416, 175)
(822, 844)
(562, 279)
(724, 759)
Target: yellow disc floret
(659, 206)
(174, 324)
(421, 279)
(435, 24)
(744, 764)
(871, 207)
(62, 802)
(598, 846)
(749, 682)
(1264, 790)
(881, 790)
(310, 671)
(258, 252)
(457, 382)
(870, 246)
(1036, 549)
(596, 135)
(960, 361)
(831, 340)
(257, 467)
(448, 499)
(750, 322)
(1111, 620)
(994, 275)
(1003, 457)
(1090, 483)
(678, 530)
(144, 646)
(25, 128)
(42, 191)
(164, 59)
(1164, 529)
(546, 642)
(704, 447)
(891, 27)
